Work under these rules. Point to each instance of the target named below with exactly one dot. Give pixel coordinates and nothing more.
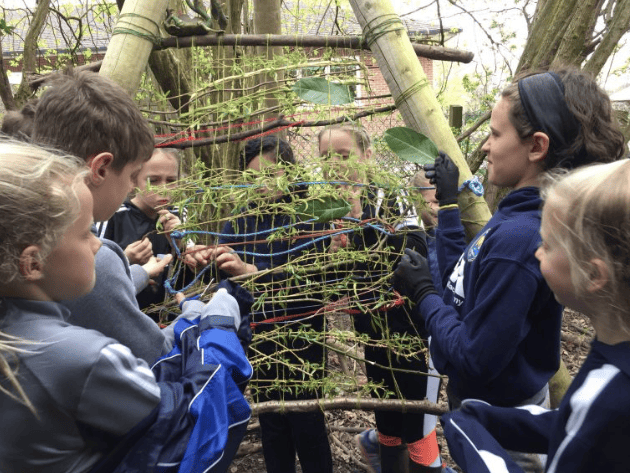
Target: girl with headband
(496, 331)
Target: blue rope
(474, 184)
(178, 235)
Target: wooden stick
(348, 403)
(439, 53)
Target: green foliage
(320, 91)
(5, 29)
(410, 145)
(323, 209)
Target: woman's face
(508, 156)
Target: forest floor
(344, 425)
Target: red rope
(329, 308)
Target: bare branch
(350, 403)
(350, 42)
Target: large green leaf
(320, 91)
(410, 145)
(324, 209)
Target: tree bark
(133, 40)
(350, 403)
(573, 49)
(267, 20)
(438, 53)
(29, 61)
(413, 95)
(6, 94)
(617, 27)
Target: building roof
(60, 35)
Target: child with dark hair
(243, 249)
(403, 441)
(584, 257)
(496, 332)
(133, 226)
(82, 401)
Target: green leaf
(410, 145)
(324, 209)
(320, 91)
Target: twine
(391, 23)
(133, 30)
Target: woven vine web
(325, 284)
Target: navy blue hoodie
(496, 333)
(588, 432)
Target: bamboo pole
(133, 39)
(413, 94)
(308, 41)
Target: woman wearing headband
(496, 332)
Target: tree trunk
(617, 27)
(172, 67)
(29, 61)
(267, 20)
(132, 42)
(6, 94)
(413, 95)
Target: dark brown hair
(86, 114)
(599, 139)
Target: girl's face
(69, 269)
(161, 170)
(266, 163)
(429, 214)
(507, 155)
(339, 147)
(554, 261)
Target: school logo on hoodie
(456, 282)
(473, 251)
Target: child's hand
(155, 266)
(197, 256)
(139, 251)
(338, 241)
(227, 260)
(169, 222)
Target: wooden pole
(308, 41)
(413, 95)
(133, 39)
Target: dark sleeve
(470, 343)
(450, 242)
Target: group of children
(82, 361)
(82, 396)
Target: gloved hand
(444, 174)
(412, 277)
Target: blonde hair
(356, 132)
(38, 201)
(8, 349)
(592, 204)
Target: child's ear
(99, 166)
(31, 265)
(598, 275)
(539, 147)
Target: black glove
(444, 175)
(412, 277)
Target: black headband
(542, 96)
